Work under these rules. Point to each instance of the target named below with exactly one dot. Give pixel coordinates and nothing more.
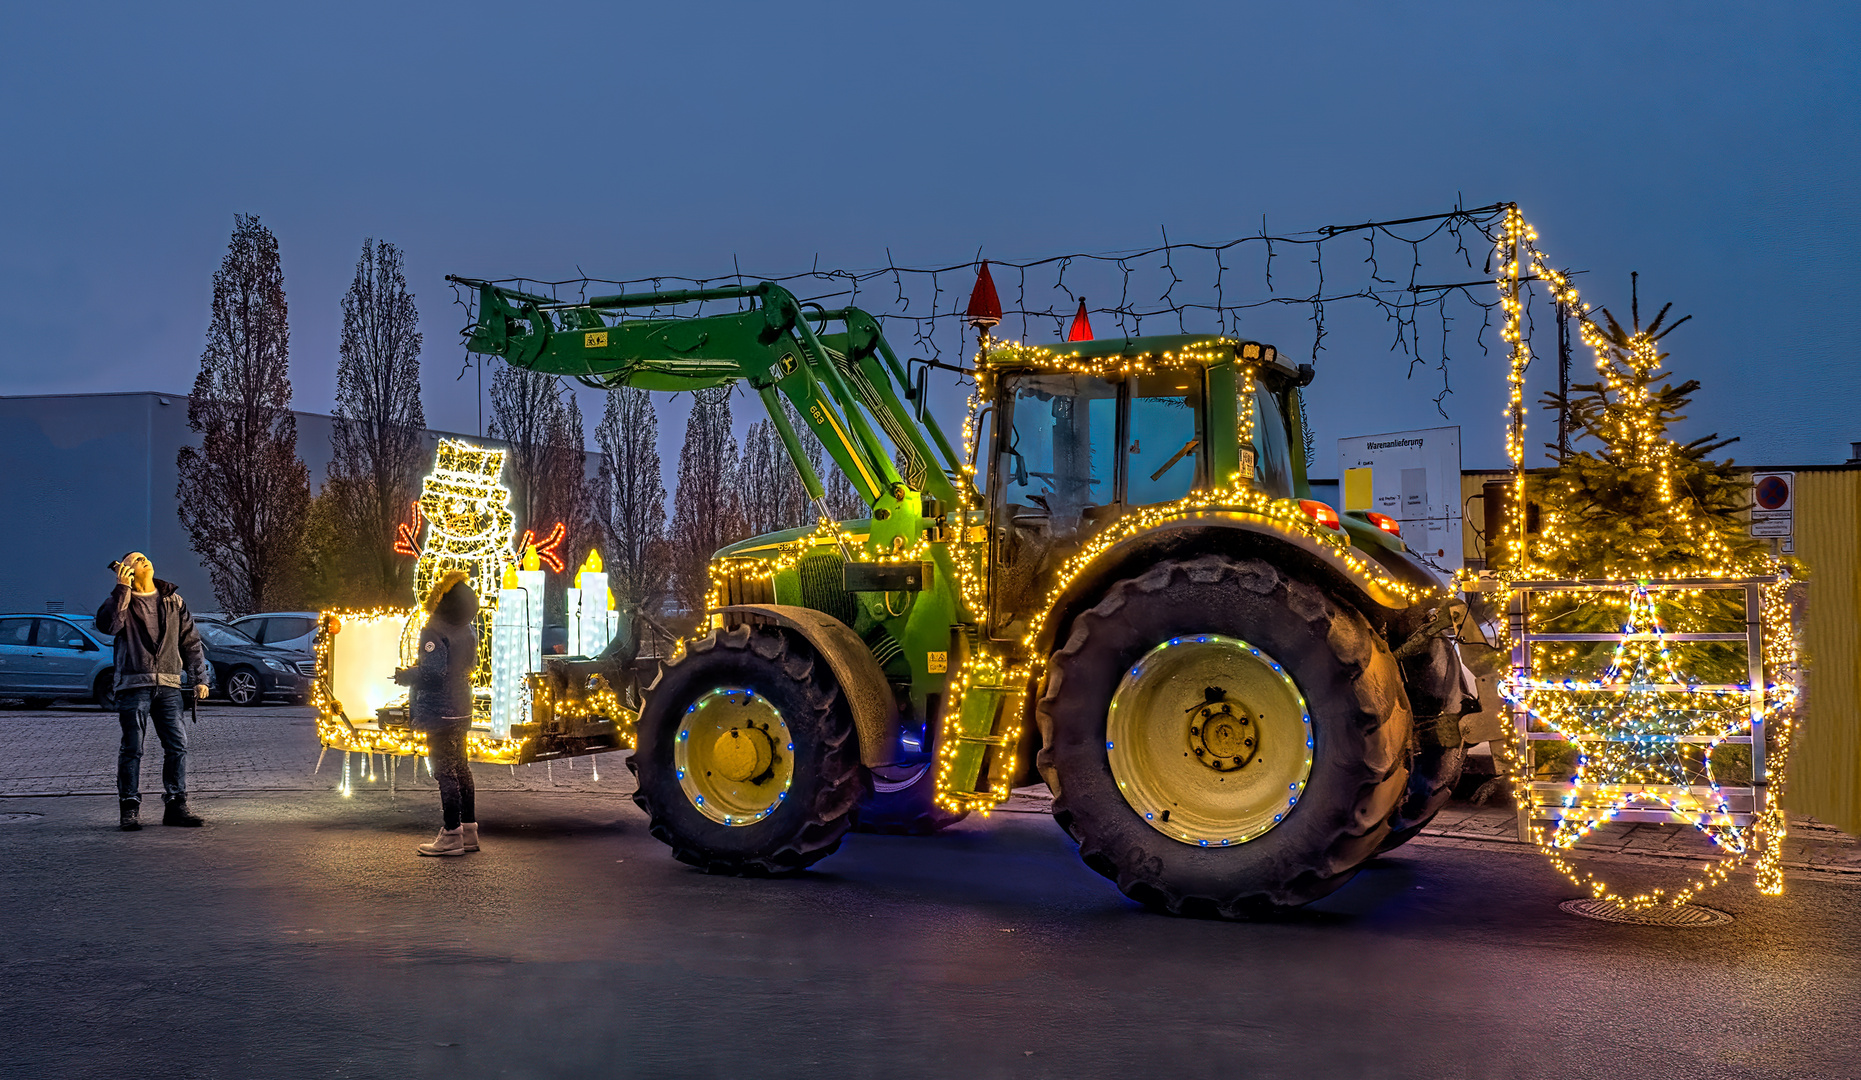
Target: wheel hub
(1220, 737)
(734, 756)
(1209, 740)
(742, 753)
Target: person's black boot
(129, 822)
(177, 813)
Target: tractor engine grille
(823, 586)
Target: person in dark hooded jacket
(440, 704)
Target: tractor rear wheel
(1224, 737)
(747, 759)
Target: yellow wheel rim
(734, 756)
(1209, 740)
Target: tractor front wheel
(747, 758)
(1224, 737)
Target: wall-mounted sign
(1414, 477)
(1773, 498)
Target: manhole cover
(1663, 915)
(16, 819)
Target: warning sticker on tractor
(936, 662)
(594, 339)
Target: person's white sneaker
(448, 842)
(471, 835)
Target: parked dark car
(246, 672)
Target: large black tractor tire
(1432, 677)
(1360, 723)
(827, 778)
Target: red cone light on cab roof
(985, 308)
(1321, 513)
(1082, 326)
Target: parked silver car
(295, 631)
(46, 657)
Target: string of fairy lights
(1423, 277)
(1635, 727)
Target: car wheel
(242, 687)
(103, 691)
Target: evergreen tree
(1638, 503)
(243, 492)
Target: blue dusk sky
(1711, 147)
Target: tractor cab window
(1272, 465)
(1056, 460)
(1165, 455)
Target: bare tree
(543, 432)
(377, 436)
(243, 492)
(707, 511)
(769, 480)
(630, 500)
(843, 500)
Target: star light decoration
(988, 693)
(1629, 726)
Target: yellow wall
(1825, 763)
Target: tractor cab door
(1052, 480)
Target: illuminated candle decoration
(530, 580)
(595, 625)
(509, 656)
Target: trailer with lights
(1116, 573)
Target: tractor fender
(1221, 532)
(868, 694)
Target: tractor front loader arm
(770, 344)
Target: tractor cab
(1089, 432)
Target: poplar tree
(378, 432)
(630, 500)
(243, 492)
(707, 509)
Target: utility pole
(1563, 379)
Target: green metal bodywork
(854, 394)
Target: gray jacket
(145, 660)
(440, 680)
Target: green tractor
(1118, 573)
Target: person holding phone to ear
(157, 649)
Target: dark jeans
(135, 709)
(453, 771)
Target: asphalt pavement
(298, 935)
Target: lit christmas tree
(1640, 503)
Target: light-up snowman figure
(469, 527)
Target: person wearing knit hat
(440, 704)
